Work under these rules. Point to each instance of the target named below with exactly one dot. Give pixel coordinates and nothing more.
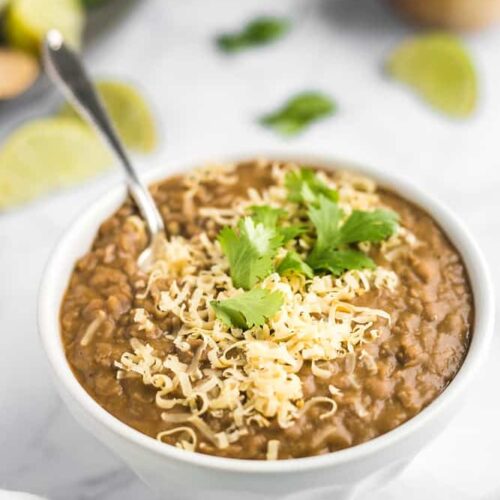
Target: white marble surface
(206, 103)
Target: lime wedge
(129, 112)
(439, 68)
(27, 21)
(47, 154)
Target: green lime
(440, 69)
(129, 112)
(27, 21)
(46, 154)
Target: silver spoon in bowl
(65, 68)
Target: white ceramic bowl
(176, 473)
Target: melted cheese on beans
(251, 376)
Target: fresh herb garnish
(267, 215)
(331, 251)
(304, 186)
(251, 247)
(325, 218)
(293, 263)
(250, 251)
(248, 309)
(299, 112)
(368, 226)
(339, 261)
(289, 233)
(270, 218)
(260, 31)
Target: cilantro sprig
(252, 246)
(299, 112)
(252, 308)
(335, 234)
(250, 250)
(304, 186)
(267, 215)
(293, 263)
(332, 251)
(369, 226)
(260, 31)
(272, 218)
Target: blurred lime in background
(439, 68)
(46, 154)
(50, 153)
(129, 112)
(27, 21)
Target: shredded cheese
(92, 328)
(253, 377)
(182, 443)
(273, 446)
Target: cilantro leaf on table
(293, 263)
(260, 31)
(250, 250)
(252, 308)
(299, 112)
(304, 186)
(331, 251)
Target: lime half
(129, 112)
(440, 69)
(27, 21)
(47, 154)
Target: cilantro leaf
(330, 252)
(289, 233)
(294, 263)
(326, 219)
(338, 261)
(369, 226)
(267, 215)
(260, 31)
(304, 186)
(299, 112)
(250, 251)
(248, 309)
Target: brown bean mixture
(415, 357)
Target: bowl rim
(475, 264)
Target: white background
(207, 102)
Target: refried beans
(148, 346)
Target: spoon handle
(65, 69)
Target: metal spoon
(64, 67)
